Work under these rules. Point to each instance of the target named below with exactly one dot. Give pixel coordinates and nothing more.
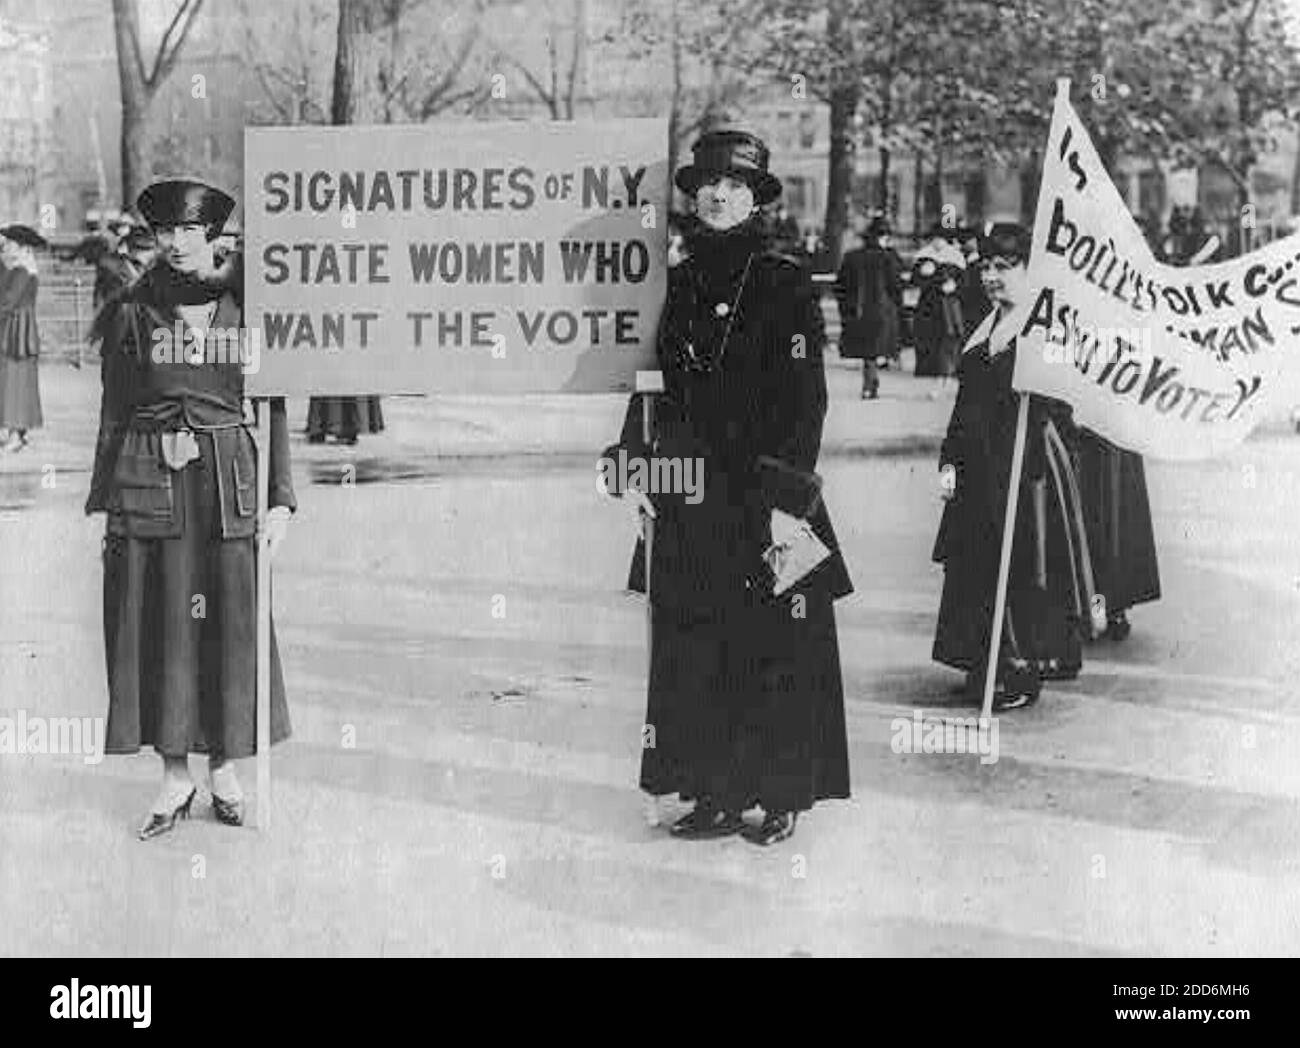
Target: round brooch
(721, 309)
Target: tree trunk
(1295, 182)
(918, 192)
(839, 183)
(135, 103)
(675, 109)
(357, 63)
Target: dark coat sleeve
(846, 287)
(281, 472)
(793, 429)
(115, 326)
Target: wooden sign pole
(648, 383)
(1004, 565)
(263, 808)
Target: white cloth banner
(1171, 362)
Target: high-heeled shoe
(228, 811)
(1119, 627)
(163, 822)
(706, 822)
(776, 826)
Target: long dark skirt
(182, 673)
(20, 393)
(1118, 515)
(344, 417)
(746, 706)
(1048, 594)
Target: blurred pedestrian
(938, 327)
(118, 265)
(343, 418)
(869, 292)
(20, 341)
(176, 474)
(745, 701)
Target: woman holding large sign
(176, 473)
(745, 701)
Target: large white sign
(1170, 362)
(461, 258)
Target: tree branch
(167, 55)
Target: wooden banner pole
(1004, 564)
(648, 383)
(263, 808)
(647, 521)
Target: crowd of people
(744, 692)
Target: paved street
(461, 783)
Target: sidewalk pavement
(428, 435)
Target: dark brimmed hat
(24, 235)
(730, 151)
(174, 202)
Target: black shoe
(1119, 627)
(1020, 686)
(707, 823)
(776, 826)
(160, 823)
(229, 812)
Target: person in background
(175, 473)
(745, 697)
(975, 302)
(343, 418)
(20, 341)
(869, 291)
(119, 264)
(938, 327)
(1121, 539)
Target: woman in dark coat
(20, 341)
(1049, 591)
(176, 473)
(869, 292)
(1118, 515)
(745, 702)
(938, 328)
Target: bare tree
(557, 85)
(375, 82)
(139, 85)
(290, 59)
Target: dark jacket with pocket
(149, 396)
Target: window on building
(1151, 193)
(785, 130)
(807, 129)
(798, 197)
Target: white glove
(784, 528)
(277, 527)
(641, 501)
(947, 481)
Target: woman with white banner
(1050, 593)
